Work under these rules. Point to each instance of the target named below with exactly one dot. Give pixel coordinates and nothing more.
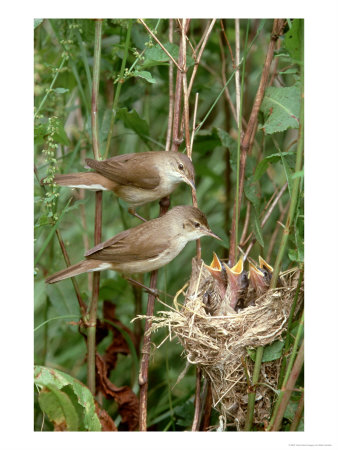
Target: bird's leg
(134, 213)
(153, 292)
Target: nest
(218, 344)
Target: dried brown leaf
(128, 404)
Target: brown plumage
(137, 178)
(144, 248)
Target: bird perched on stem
(144, 248)
(137, 178)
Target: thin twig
(207, 408)
(228, 44)
(197, 400)
(204, 41)
(171, 90)
(176, 140)
(193, 124)
(82, 305)
(159, 43)
(185, 89)
(298, 414)
(288, 389)
(143, 376)
(237, 75)
(252, 393)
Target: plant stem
(237, 75)
(207, 408)
(286, 392)
(118, 89)
(64, 59)
(176, 140)
(143, 376)
(197, 399)
(171, 90)
(298, 414)
(91, 341)
(289, 381)
(95, 89)
(252, 395)
(288, 331)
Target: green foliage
(271, 352)
(134, 122)
(281, 107)
(294, 39)
(66, 401)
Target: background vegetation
(133, 104)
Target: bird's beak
(236, 270)
(264, 265)
(190, 183)
(256, 278)
(208, 232)
(234, 279)
(215, 267)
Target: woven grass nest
(218, 344)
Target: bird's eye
(181, 166)
(197, 224)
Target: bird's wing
(135, 169)
(129, 246)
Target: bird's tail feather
(87, 265)
(84, 180)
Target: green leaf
(59, 408)
(145, 75)
(264, 163)
(37, 22)
(206, 141)
(155, 55)
(132, 120)
(226, 140)
(271, 352)
(66, 391)
(293, 39)
(281, 108)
